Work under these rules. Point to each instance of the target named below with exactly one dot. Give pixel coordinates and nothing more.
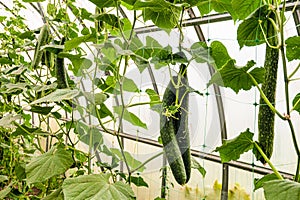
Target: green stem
(90, 150)
(294, 72)
(268, 161)
(262, 94)
(144, 163)
(286, 86)
(143, 103)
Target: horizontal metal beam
(205, 20)
(211, 157)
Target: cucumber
(60, 71)
(174, 129)
(42, 40)
(265, 114)
(169, 140)
(182, 134)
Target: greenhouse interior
(150, 99)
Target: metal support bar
(205, 20)
(296, 16)
(221, 113)
(211, 157)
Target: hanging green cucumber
(168, 137)
(181, 122)
(42, 40)
(174, 130)
(60, 71)
(266, 115)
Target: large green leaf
(78, 62)
(165, 19)
(57, 96)
(131, 161)
(232, 149)
(293, 48)
(44, 110)
(162, 13)
(56, 195)
(96, 187)
(95, 99)
(238, 78)
(104, 3)
(249, 32)
(281, 190)
(4, 192)
(8, 120)
(75, 42)
(89, 134)
(258, 183)
(128, 85)
(110, 19)
(130, 117)
(200, 52)
(244, 8)
(219, 54)
(54, 162)
(138, 181)
(296, 103)
(205, 6)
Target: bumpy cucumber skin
(169, 140)
(182, 134)
(175, 133)
(60, 71)
(42, 40)
(266, 115)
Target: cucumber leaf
(78, 62)
(56, 195)
(96, 186)
(233, 148)
(293, 48)
(4, 192)
(138, 181)
(44, 110)
(75, 42)
(296, 103)
(57, 96)
(103, 3)
(54, 162)
(281, 190)
(249, 32)
(237, 78)
(130, 117)
(219, 53)
(110, 19)
(162, 13)
(196, 165)
(244, 8)
(132, 162)
(258, 183)
(200, 52)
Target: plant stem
(143, 103)
(286, 86)
(148, 160)
(294, 72)
(266, 99)
(268, 161)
